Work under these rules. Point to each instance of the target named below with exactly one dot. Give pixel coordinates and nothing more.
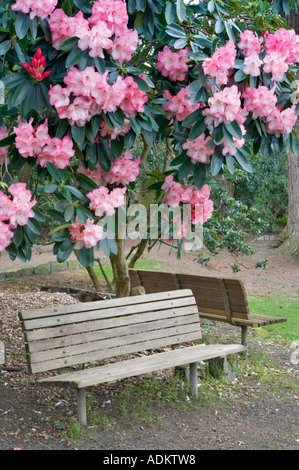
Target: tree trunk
(290, 235)
(121, 280)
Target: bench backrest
(62, 336)
(222, 297)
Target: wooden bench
(218, 299)
(61, 337)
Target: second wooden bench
(217, 298)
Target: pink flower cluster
(3, 150)
(282, 48)
(104, 202)
(202, 206)
(40, 8)
(260, 101)
(36, 142)
(220, 63)
(198, 150)
(224, 106)
(173, 64)
(14, 212)
(124, 170)
(88, 93)
(179, 105)
(85, 236)
(281, 122)
(106, 29)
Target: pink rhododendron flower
(57, 151)
(133, 99)
(124, 45)
(173, 64)
(220, 63)
(14, 212)
(85, 236)
(249, 43)
(97, 175)
(224, 106)
(104, 202)
(179, 105)
(276, 64)
(252, 65)
(6, 236)
(112, 12)
(197, 149)
(29, 140)
(4, 150)
(260, 101)
(40, 8)
(283, 43)
(65, 27)
(281, 122)
(123, 170)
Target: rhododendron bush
(87, 81)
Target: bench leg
(193, 379)
(244, 338)
(81, 404)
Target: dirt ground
(253, 412)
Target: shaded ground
(258, 410)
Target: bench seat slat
(139, 366)
(252, 320)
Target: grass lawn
(280, 306)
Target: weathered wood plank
(143, 365)
(105, 304)
(113, 352)
(56, 332)
(94, 314)
(75, 334)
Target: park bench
(217, 299)
(61, 337)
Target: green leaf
(218, 134)
(86, 257)
(69, 213)
(50, 188)
(175, 31)
(78, 134)
(22, 24)
(74, 57)
(18, 235)
(197, 130)
(83, 214)
(75, 192)
(230, 163)
(68, 44)
(54, 172)
(84, 5)
(170, 12)
(180, 10)
(234, 129)
(186, 168)
(7, 141)
(242, 160)
(192, 118)
(216, 162)
(64, 251)
(5, 46)
(142, 85)
(34, 226)
(199, 175)
(21, 93)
